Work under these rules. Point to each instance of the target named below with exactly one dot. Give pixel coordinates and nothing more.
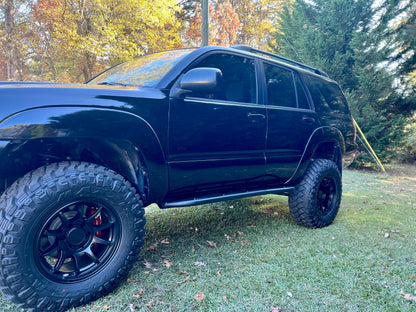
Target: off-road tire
(69, 233)
(316, 199)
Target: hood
(20, 96)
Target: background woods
(367, 46)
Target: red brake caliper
(97, 221)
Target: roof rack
(247, 48)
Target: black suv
(185, 127)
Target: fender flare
(320, 136)
(91, 123)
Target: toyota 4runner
(185, 127)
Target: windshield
(144, 71)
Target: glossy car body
(176, 146)
(78, 162)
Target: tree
(58, 40)
(355, 43)
(224, 25)
(259, 21)
(12, 41)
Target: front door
(217, 140)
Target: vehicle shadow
(201, 223)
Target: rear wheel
(70, 232)
(316, 199)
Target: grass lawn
(249, 255)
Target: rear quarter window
(326, 96)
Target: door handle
(255, 115)
(308, 120)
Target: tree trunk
(11, 53)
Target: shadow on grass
(213, 220)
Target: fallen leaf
(225, 298)
(407, 297)
(150, 304)
(182, 272)
(212, 244)
(187, 279)
(241, 233)
(165, 241)
(147, 264)
(151, 248)
(219, 272)
(274, 309)
(244, 243)
(199, 297)
(140, 294)
(275, 213)
(251, 226)
(167, 263)
(200, 263)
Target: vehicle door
(291, 121)
(217, 139)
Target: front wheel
(69, 232)
(316, 199)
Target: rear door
(291, 121)
(217, 140)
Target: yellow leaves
(106, 30)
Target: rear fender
(321, 137)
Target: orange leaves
(224, 24)
(199, 297)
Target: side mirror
(202, 79)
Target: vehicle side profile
(79, 162)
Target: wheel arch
(118, 140)
(324, 143)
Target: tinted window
(144, 71)
(327, 95)
(302, 99)
(239, 77)
(280, 86)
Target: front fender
(320, 137)
(81, 123)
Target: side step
(205, 200)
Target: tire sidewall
(46, 199)
(326, 219)
(303, 203)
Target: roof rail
(247, 48)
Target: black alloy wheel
(77, 240)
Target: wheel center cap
(76, 236)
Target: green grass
(360, 263)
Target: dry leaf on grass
(199, 297)
(150, 304)
(187, 279)
(167, 263)
(165, 241)
(408, 297)
(140, 294)
(147, 264)
(212, 244)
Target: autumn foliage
(224, 25)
